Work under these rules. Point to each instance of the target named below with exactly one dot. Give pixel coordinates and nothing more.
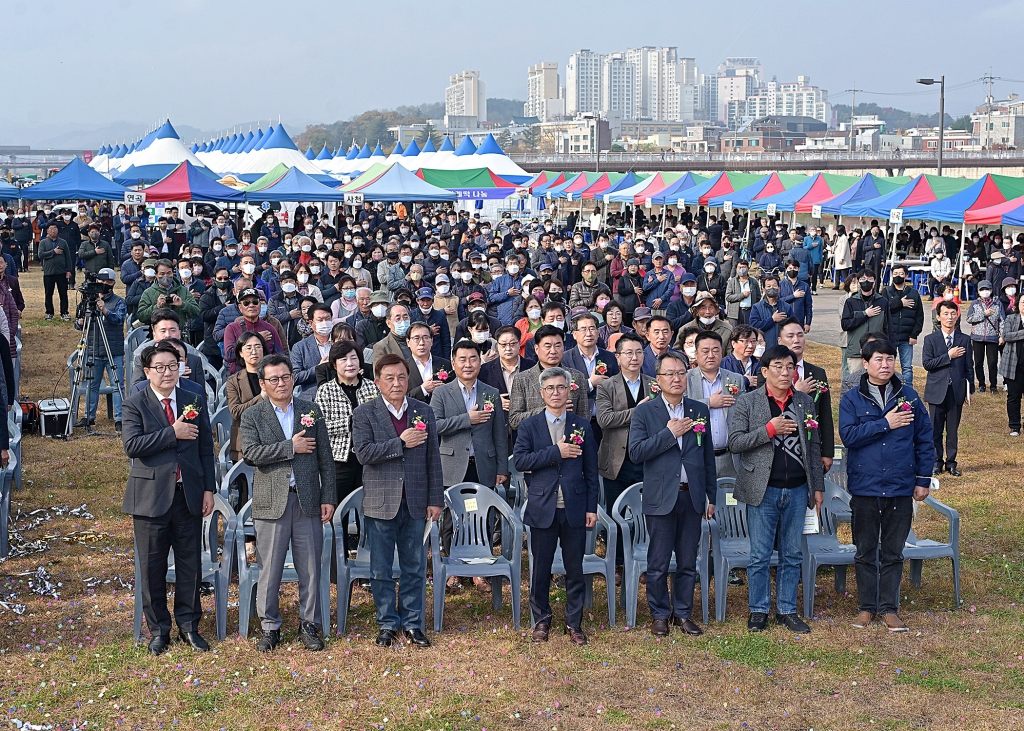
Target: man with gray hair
(557, 452)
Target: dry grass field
(69, 660)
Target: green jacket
(55, 264)
(93, 261)
(188, 310)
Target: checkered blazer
(338, 410)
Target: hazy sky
(99, 64)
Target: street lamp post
(942, 112)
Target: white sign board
(815, 211)
(568, 196)
(896, 215)
(134, 199)
(771, 209)
(607, 198)
(648, 203)
(727, 207)
(353, 199)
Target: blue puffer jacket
(498, 295)
(884, 462)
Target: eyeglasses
(782, 368)
(162, 369)
(587, 329)
(252, 348)
(632, 353)
(278, 380)
(420, 339)
(508, 344)
(672, 374)
(250, 303)
(554, 389)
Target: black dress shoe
(84, 422)
(159, 644)
(117, 426)
(793, 623)
(954, 471)
(688, 626)
(541, 631)
(576, 636)
(735, 579)
(271, 639)
(194, 640)
(416, 637)
(309, 635)
(937, 470)
(659, 628)
(385, 638)
(757, 622)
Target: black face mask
(867, 286)
(793, 275)
(555, 296)
(221, 285)
(898, 279)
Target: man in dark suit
(293, 495)
(597, 364)
(557, 451)
(813, 381)
(170, 489)
(525, 397)
(679, 480)
(949, 359)
(501, 371)
(395, 439)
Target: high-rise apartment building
(776, 99)
(543, 91)
(583, 82)
(466, 96)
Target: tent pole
(963, 263)
(746, 233)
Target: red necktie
(170, 420)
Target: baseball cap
(248, 292)
(577, 311)
(425, 293)
(657, 255)
(642, 313)
(688, 279)
(380, 297)
(106, 274)
(441, 278)
(475, 297)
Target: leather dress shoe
(84, 422)
(194, 640)
(309, 636)
(659, 628)
(269, 641)
(159, 644)
(793, 623)
(937, 470)
(385, 638)
(416, 637)
(954, 471)
(576, 636)
(541, 631)
(757, 622)
(688, 626)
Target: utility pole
(941, 81)
(989, 79)
(853, 112)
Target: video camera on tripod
(92, 288)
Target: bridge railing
(949, 157)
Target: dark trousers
(1014, 391)
(983, 351)
(154, 537)
(60, 282)
(629, 474)
(543, 542)
(348, 478)
(679, 533)
(815, 274)
(596, 428)
(946, 416)
(880, 528)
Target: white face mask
(232, 252)
(150, 272)
(691, 352)
(379, 310)
(324, 328)
(289, 287)
(480, 337)
(559, 248)
(513, 269)
(307, 248)
(406, 259)
(303, 277)
(467, 276)
(435, 253)
(560, 324)
(533, 313)
(185, 274)
(1011, 291)
(136, 235)
(758, 351)
(708, 320)
(984, 294)
(689, 291)
(248, 268)
(443, 289)
(357, 264)
(672, 262)
(314, 270)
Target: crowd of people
(405, 349)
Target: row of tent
(990, 200)
(249, 156)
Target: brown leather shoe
(688, 626)
(863, 620)
(659, 628)
(540, 632)
(576, 636)
(894, 623)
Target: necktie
(949, 342)
(169, 413)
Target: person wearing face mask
(193, 329)
(707, 317)
(446, 301)
(313, 350)
(398, 276)
(249, 271)
(985, 316)
(112, 314)
(163, 240)
(505, 289)
(138, 287)
(770, 260)
(741, 292)
(58, 267)
(679, 311)
(940, 271)
(271, 230)
(864, 311)
(464, 287)
(433, 264)
(1008, 295)
(630, 286)
(231, 260)
(167, 293)
(285, 307)
(1000, 267)
(373, 327)
(345, 305)
(69, 230)
(95, 253)
(426, 311)
(796, 293)
(906, 313)
(770, 311)
(476, 302)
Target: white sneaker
(1015, 434)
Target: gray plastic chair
(918, 550)
(824, 548)
(471, 540)
(730, 542)
(220, 424)
(239, 468)
(215, 567)
(249, 573)
(628, 513)
(6, 484)
(135, 337)
(592, 563)
(14, 429)
(350, 514)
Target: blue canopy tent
(76, 180)
(686, 182)
(325, 154)
(399, 184)
(627, 181)
(8, 192)
(867, 188)
(296, 186)
(310, 155)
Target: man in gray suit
(293, 495)
(525, 397)
(717, 389)
(774, 431)
(471, 425)
(170, 489)
(679, 478)
(395, 439)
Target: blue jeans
(906, 353)
(382, 537)
(780, 512)
(101, 366)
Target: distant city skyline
(230, 61)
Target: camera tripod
(84, 375)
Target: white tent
(276, 149)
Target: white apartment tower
(583, 82)
(466, 96)
(542, 90)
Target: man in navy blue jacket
(796, 292)
(770, 311)
(558, 454)
(888, 437)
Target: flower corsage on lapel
(577, 437)
(573, 386)
(601, 368)
(700, 428)
(442, 375)
(655, 391)
(418, 424)
(732, 388)
(191, 411)
(488, 403)
(810, 423)
(820, 387)
(905, 405)
(308, 420)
